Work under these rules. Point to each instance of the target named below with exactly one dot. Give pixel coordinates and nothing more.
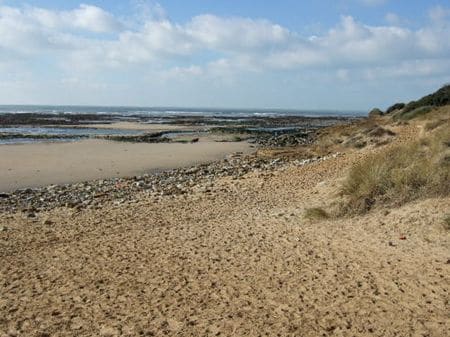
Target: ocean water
(67, 131)
(66, 134)
(170, 111)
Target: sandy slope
(237, 261)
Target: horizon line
(179, 107)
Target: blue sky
(342, 54)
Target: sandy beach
(232, 247)
(229, 256)
(41, 164)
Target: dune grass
(400, 174)
(316, 213)
(411, 114)
(434, 124)
(447, 222)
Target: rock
(173, 324)
(12, 333)
(76, 323)
(4, 195)
(3, 229)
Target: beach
(224, 247)
(41, 164)
(39, 149)
(235, 257)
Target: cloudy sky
(325, 54)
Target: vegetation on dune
(434, 124)
(356, 135)
(422, 106)
(400, 174)
(447, 221)
(375, 113)
(395, 107)
(316, 213)
(438, 98)
(420, 111)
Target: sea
(173, 111)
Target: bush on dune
(424, 105)
(400, 174)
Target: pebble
(173, 182)
(109, 332)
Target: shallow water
(34, 140)
(65, 134)
(67, 131)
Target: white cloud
(211, 46)
(86, 17)
(149, 10)
(259, 42)
(232, 34)
(31, 30)
(439, 13)
(409, 69)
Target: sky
(292, 54)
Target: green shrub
(395, 107)
(438, 98)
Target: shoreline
(182, 181)
(185, 141)
(43, 164)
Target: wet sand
(41, 164)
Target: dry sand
(40, 164)
(237, 261)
